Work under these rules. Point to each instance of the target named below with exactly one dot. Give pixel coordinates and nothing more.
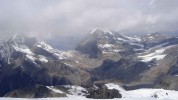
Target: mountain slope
(132, 59)
(27, 61)
(104, 56)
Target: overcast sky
(46, 18)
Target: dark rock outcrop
(125, 70)
(104, 93)
(37, 91)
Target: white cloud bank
(53, 17)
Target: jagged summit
(21, 39)
(99, 31)
(156, 37)
(33, 49)
(160, 35)
(17, 36)
(104, 42)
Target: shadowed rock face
(170, 79)
(18, 71)
(168, 82)
(124, 70)
(89, 46)
(37, 91)
(54, 73)
(104, 93)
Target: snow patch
(151, 37)
(106, 46)
(155, 93)
(140, 94)
(54, 89)
(147, 58)
(43, 59)
(23, 50)
(58, 54)
(76, 90)
(31, 57)
(133, 39)
(121, 39)
(114, 86)
(158, 55)
(44, 46)
(107, 31)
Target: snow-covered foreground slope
(139, 94)
(149, 94)
(83, 98)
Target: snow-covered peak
(99, 31)
(23, 49)
(132, 38)
(96, 30)
(32, 49)
(21, 40)
(42, 44)
(154, 37)
(54, 52)
(16, 39)
(157, 34)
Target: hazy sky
(46, 18)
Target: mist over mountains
(46, 19)
(69, 42)
(86, 50)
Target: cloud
(48, 18)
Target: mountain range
(133, 62)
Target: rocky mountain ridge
(102, 57)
